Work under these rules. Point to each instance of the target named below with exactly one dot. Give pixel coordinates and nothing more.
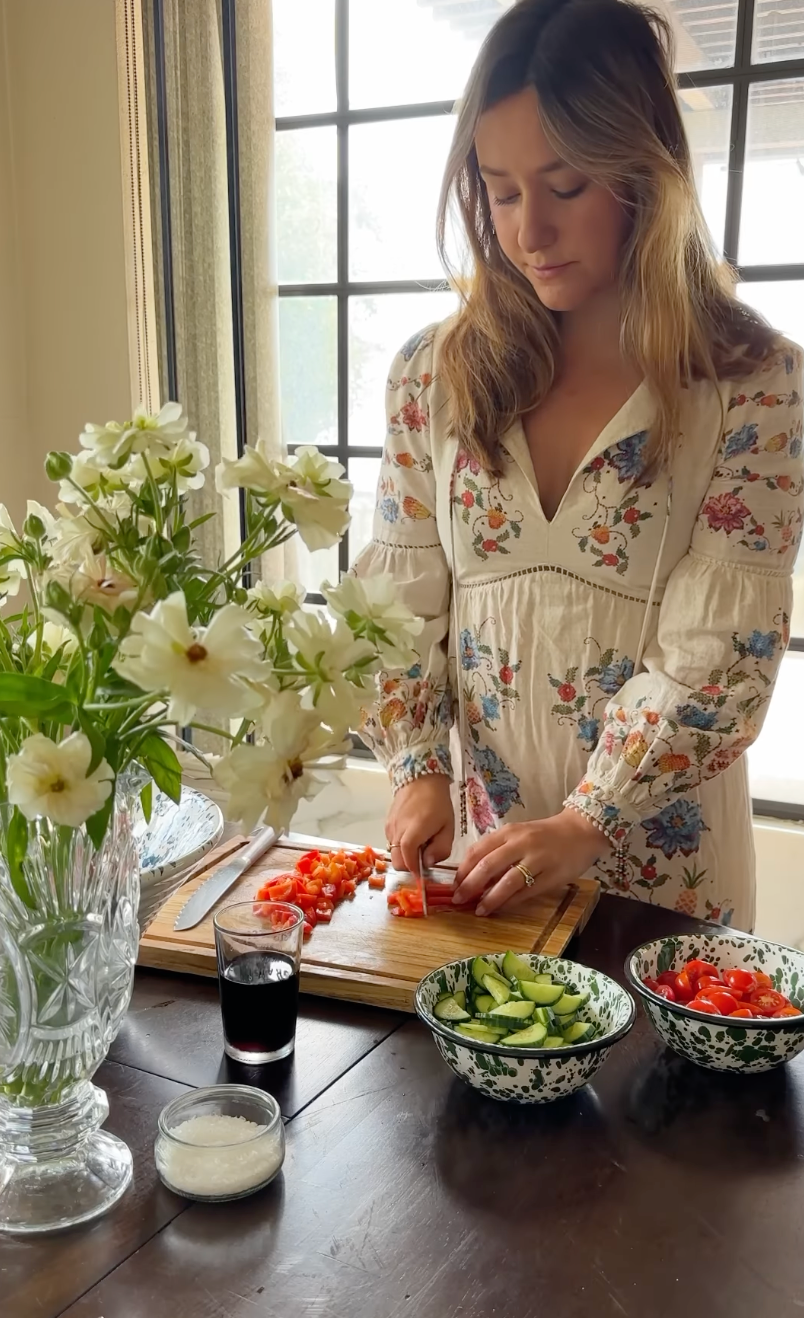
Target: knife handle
(258, 846)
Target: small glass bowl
(215, 1172)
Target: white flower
(269, 780)
(156, 436)
(93, 579)
(370, 607)
(50, 778)
(87, 474)
(12, 572)
(201, 668)
(326, 654)
(190, 458)
(278, 599)
(255, 470)
(56, 637)
(309, 490)
(316, 499)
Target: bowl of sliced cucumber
(523, 1028)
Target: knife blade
(219, 883)
(423, 873)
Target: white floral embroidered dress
(548, 616)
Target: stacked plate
(176, 838)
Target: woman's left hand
(556, 851)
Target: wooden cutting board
(365, 954)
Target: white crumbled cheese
(219, 1155)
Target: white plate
(177, 835)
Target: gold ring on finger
(529, 878)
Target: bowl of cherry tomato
(728, 1001)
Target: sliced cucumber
(483, 1002)
(552, 1040)
(533, 1036)
(450, 1010)
(480, 968)
(544, 995)
(460, 997)
(514, 967)
(499, 990)
(569, 1002)
(542, 979)
(543, 1015)
(579, 1031)
(518, 1011)
(480, 1033)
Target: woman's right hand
(421, 818)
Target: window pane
(778, 31)
(704, 32)
(313, 569)
(771, 228)
(306, 214)
(707, 119)
(363, 473)
(395, 172)
(775, 762)
(782, 303)
(378, 326)
(304, 56)
(423, 53)
(308, 366)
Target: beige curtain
(200, 242)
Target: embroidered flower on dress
(479, 808)
(389, 509)
(690, 716)
(741, 441)
(762, 645)
(676, 828)
(725, 512)
(502, 784)
(616, 674)
(469, 655)
(627, 457)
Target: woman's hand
(421, 818)
(557, 851)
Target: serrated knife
(219, 883)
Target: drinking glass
(258, 946)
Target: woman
(591, 490)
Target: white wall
(63, 324)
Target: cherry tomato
(768, 1001)
(723, 1002)
(744, 980)
(709, 981)
(667, 977)
(683, 987)
(665, 991)
(696, 968)
(744, 1012)
(763, 980)
(703, 1004)
(786, 1011)
(652, 984)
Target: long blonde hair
(602, 70)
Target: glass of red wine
(259, 952)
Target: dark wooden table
(660, 1191)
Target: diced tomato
(703, 1004)
(306, 862)
(744, 980)
(376, 881)
(348, 887)
(393, 899)
(379, 866)
(282, 890)
(308, 929)
(306, 900)
(768, 1001)
(696, 968)
(683, 987)
(323, 914)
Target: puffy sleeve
(723, 622)
(408, 726)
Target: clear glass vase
(68, 944)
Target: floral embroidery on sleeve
(615, 523)
(480, 499)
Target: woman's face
(564, 232)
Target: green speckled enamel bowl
(529, 1075)
(714, 1041)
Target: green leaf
(99, 822)
(95, 738)
(146, 799)
(24, 696)
(162, 763)
(16, 849)
(665, 958)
